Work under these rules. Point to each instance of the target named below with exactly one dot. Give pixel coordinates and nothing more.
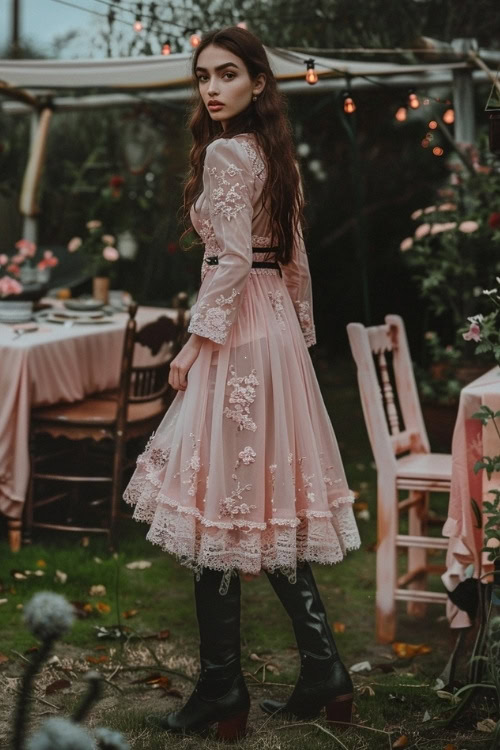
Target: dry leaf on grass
(97, 659)
(97, 590)
(60, 576)
(361, 666)
(338, 627)
(41, 564)
(450, 747)
(138, 565)
(486, 725)
(103, 608)
(163, 635)
(409, 650)
(401, 741)
(366, 690)
(3, 601)
(3, 658)
(54, 687)
(130, 613)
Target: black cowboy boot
(220, 696)
(323, 682)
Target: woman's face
(224, 83)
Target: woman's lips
(215, 107)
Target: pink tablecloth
(471, 441)
(55, 363)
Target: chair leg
(387, 525)
(116, 490)
(30, 496)
(417, 558)
(14, 527)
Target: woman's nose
(213, 88)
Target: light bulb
(195, 39)
(449, 116)
(242, 24)
(138, 25)
(349, 105)
(425, 143)
(166, 49)
(311, 75)
(413, 100)
(437, 151)
(401, 114)
(433, 125)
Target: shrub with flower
(22, 267)
(484, 330)
(98, 247)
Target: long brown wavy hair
(267, 119)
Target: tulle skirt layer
(244, 471)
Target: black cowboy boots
(220, 696)
(323, 682)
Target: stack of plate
(15, 311)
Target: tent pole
(463, 95)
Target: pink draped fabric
(470, 442)
(54, 364)
(244, 472)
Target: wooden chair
(133, 410)
(404, 462)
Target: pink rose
(422, 231)
(4, 259)
(26, 248)
(437, 228)
(9, 286)
(18, 259)
(74, 244)
(108, 239)
(447, 207)
(474, 333)
(468, 226)
(48, 254)
(111, 253)
(93, 224)
(429, 209)
(406, 244)
(417, 214)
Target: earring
(254, 98)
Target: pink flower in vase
(111, 253)
(468, 226)
(26, 248)
(93, 224)
(4, 259)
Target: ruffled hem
(244, 545)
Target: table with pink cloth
(55, 363)
(471, 441)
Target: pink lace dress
(244, 471)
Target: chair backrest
(148, 382)
(388, 390)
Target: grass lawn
(155, 604)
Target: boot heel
(232, 729)
(340, 709)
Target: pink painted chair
(404, 462)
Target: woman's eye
(231, 75)
(202, 79)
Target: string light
(349, 104)
(166, 48)
(413, 100)
(425, 143)
(438, 151)
(195, 39)
(138, 24)
(401, 114)
(242, 25)
(311, 75)
(433, 125)
(449, 116)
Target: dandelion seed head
(60, 734)
(48, 615)
(107, 739)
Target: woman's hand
(182, 363)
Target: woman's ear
(259, 84)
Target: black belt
(213, 260)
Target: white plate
(77, 320)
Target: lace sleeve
(298, 281)
(229, 184)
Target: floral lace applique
(193, 465)
(242, 396)
(227, 198)
(258, 165)
(154, 459)
(277, 305)
(306, 324)
(246, 456)
(228, 505)
(213, 322)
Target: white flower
(476, 318)
(468, 226)
(303, 149)
(417, 214)
(406, 244)
(422, 231)
(107, 739)
(315, 165)
(489, 292)
(429, 209)
(48, 615)
(60, 734)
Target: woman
(244, 473)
